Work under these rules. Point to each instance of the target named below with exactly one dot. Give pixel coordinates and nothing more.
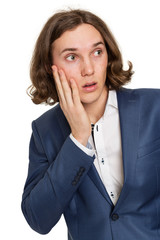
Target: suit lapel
(128, 105)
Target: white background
(135, 23)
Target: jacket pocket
(149, 148)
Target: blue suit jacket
(62, 179)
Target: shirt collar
(111, 103)
(112, 99)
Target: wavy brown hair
(43, 86)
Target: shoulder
(142, 91)
(52, 126)
(144, 94)
(147, 100)
(51, 120)
(148, 92)
(49, 116)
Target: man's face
(82, 55)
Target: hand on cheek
(71, 106)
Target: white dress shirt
(107, 148)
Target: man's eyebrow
(75, 49)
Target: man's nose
(87, 68)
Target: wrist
(82, 140)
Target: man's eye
(97, 52)
(70, 57)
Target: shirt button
(115, 217)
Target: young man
(94, 157)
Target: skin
(80, 59)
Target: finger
(66, 88)
(75, 92)
(58, 84)
(56, 79)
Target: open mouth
(89, 85)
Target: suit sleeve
(50, 186)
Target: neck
(95, 110)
